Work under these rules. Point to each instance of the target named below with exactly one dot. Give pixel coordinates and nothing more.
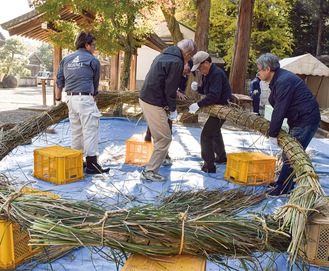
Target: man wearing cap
(216, 88)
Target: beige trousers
(157, 120)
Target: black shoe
(93, 167)
(209, 170)
(97, 170)
(273, 185)
(148, 137)
(221, 161)
(277, 191)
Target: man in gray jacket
(79, 73)
(158, 101)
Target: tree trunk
(126, 68)
(202, 41)
(241, 47)
(202, 24)
(320, 29)
(172, 24)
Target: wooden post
(44, 92)
(133, 68)
(114, 72)
(57, 60)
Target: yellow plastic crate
(137, 262)
(14, 246)
(138, 151)
(250, 168)
(58, 165)
(317, 246)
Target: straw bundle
(23, 132)
(212, 230)
(12, 136)
(294, 213)
(308, 189)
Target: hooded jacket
(291, 98)
(163, 78)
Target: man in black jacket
(158, 97)
(217, 90)
(290, 98)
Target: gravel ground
(22, 103)
(16, 116)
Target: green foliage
(118, 25)
(304, 21)
(46, 53)
(13, 58)
(270, 28)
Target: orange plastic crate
(137, 262)
(250, 168)
(14, 246)
(138, 151)
(58, 165)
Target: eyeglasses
(93, 44)
(201, 64)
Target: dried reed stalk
(294, 213)
(23, 132)
(308, 189)
(212, 230)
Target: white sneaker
(151, 176)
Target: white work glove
(273, 141)
(193, 108)
(194, 86)
(57, 103)
(173, 115)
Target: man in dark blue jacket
(216, 88)
(158, 97)
(79, 74)
(255, 92)
(290, 98)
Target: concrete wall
(27, 81)
(145, 58)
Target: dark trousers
(304, 135)
(212, 141)
(255, 104)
